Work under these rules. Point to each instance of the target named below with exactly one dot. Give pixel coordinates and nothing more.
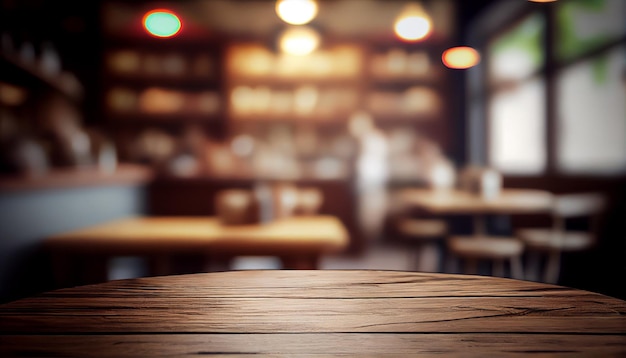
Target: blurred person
(372, 173)
(436, 169)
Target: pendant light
(461, 57)
(296, 12)
(162, 23)
(413, 23)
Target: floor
(378, 257)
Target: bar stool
(550, 243)
(425, 233)
(496, 249)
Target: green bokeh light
(162, 23)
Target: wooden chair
(552, 242)
(425, 233)
(497, 250)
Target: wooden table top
(510, 201)
(170, 234)
(361, 313)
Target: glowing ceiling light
(299, 41)
(460, 57)
(413, 23)
(162, 23)
(296, 12)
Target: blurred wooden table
(328, 313)
(299, 241)
(454, 202)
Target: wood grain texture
(306, 312)
(510, 201)
(310, 344)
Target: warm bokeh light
(296, 12)
(162, 23)
(299, 41)
(413, 23)
(460, 57)
(542, 0)
(11, 95)
(242, 145)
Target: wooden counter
(299, 241)
(62, 178)
(328, 313)
(195, 196)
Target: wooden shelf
(400, 81)
(404, 118)
(291, 119)
(275, 81)
(186, 67)
(65, 178)
(237, 178)
(139, 81)
(183, 117)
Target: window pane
(517, 53)
(517, 129)
(592, 115)
(583, 25)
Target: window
(584, 25)
(516, 109)
(518, 52)
(557, 107)
(517, 129)
(591, 115)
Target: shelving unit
(398, 83)
(408, 88)
(269, 88)
(30, 75)
(161, 88)
(39, 113)
(173, 84)
(155, 89)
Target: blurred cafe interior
(456, 136)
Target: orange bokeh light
(460, 57)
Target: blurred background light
(296, 12)
(243, 145)
(413, 23)
(162, 23)
(299, 41)
(461, 57)
(11, 95)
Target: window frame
(552, 66)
